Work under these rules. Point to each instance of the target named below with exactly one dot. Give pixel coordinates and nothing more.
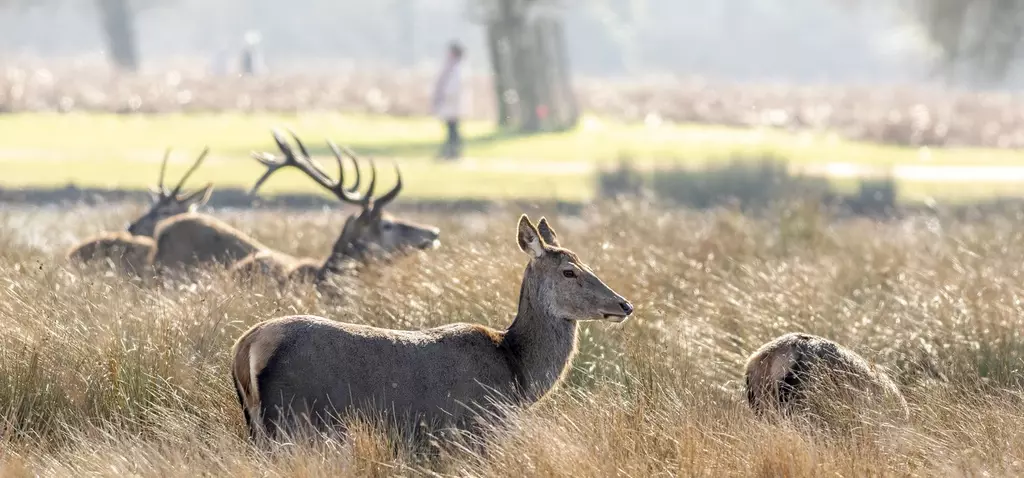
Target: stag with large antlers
(128, 250)
(369, 233)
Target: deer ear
(529, 238)
(198, 198)
(547, 233)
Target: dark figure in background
(448, 102)
(252, 56)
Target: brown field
(100, 376)
(890, 114)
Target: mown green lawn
(92, 150)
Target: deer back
(192, 239)
(125, 252)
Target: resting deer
(297, 368)
(184, 241)
(802, 372)
(129, 250)
(369, 233)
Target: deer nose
(435, 232)
(626, 307)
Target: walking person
(447, 102)
(252, 55)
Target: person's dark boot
(445, 153)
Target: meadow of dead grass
(103, 376)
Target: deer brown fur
(371, 232)
(122, 251)
(802, 372)
(191, 240)
(129, 251)
(295, 369)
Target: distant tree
(624, 20)
(117, 21)
(978, 41)
(532, 78)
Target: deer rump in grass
(129, 250)
(306, 370)
(807, 375)
(368, 233)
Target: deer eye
(387, 226)
(569, 273)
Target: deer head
(561, 283)
(371, 231)
(167, 203)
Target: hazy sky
(793, 40)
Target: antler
(177, 189)
(309, 167)
(393, 193)
(162, 193)
(163, 169)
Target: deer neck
(540, 345)
(345, 253)
(342, 259)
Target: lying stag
(369, 233)
(798, 373)
(305, 369)
(188, 240)
(129, 250)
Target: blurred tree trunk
(117, 19)
(564, 110)
(531, 73)
(496, 45)
(526, 73)
(407, 31)
(978, 40)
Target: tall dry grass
(103, 376)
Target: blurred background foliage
(970, 42)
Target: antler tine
(202, 156)
(272, 165)
(163, 169)
(346, 195)
(268, 161)
(393, 193)
(284, 147)
(264, 158)
(314, 167)
(367, 200)
(302, 147)
(355, 163)
(355, 160)
(308, 157)
(304, 164)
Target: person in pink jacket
(447, 101)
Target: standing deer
(800, 372)
(129, 250)
(369, 233)
(295, 369)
